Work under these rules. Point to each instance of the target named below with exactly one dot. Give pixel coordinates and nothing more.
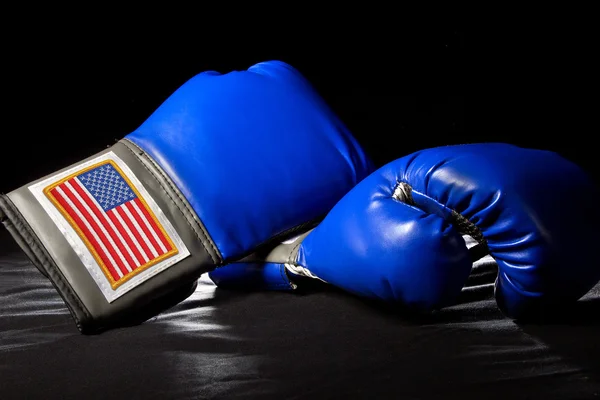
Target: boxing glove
(226, 163)
(398, 235)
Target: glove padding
(396, 236)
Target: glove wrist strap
(113, 234)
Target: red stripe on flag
(86, 232)
(101, 215)
(96, 228)
(153, 224)
(127, 238)
(142, 225)
(135, 231)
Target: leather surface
(261, 270)
(253, 275)
(377, 247)
(538, 212)
(222, 344)
(255, 152)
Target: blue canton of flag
(107, 186)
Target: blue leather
(536, 210)
(270, 276)
(377, 247)
(255, 152)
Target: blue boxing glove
(398, 235)
(227, 163)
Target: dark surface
(318, 345)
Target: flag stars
(107, 186)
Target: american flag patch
(125, 232)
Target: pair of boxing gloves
(232, 164)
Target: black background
(71, 89)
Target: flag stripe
(148, 229)
(83, 225)
(96, 226)
(143, 229)
(128, 235)
(166, 246)
(137, 232)
(101, 219)
(128, 208)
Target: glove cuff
(113, 234)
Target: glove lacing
(403, 193)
